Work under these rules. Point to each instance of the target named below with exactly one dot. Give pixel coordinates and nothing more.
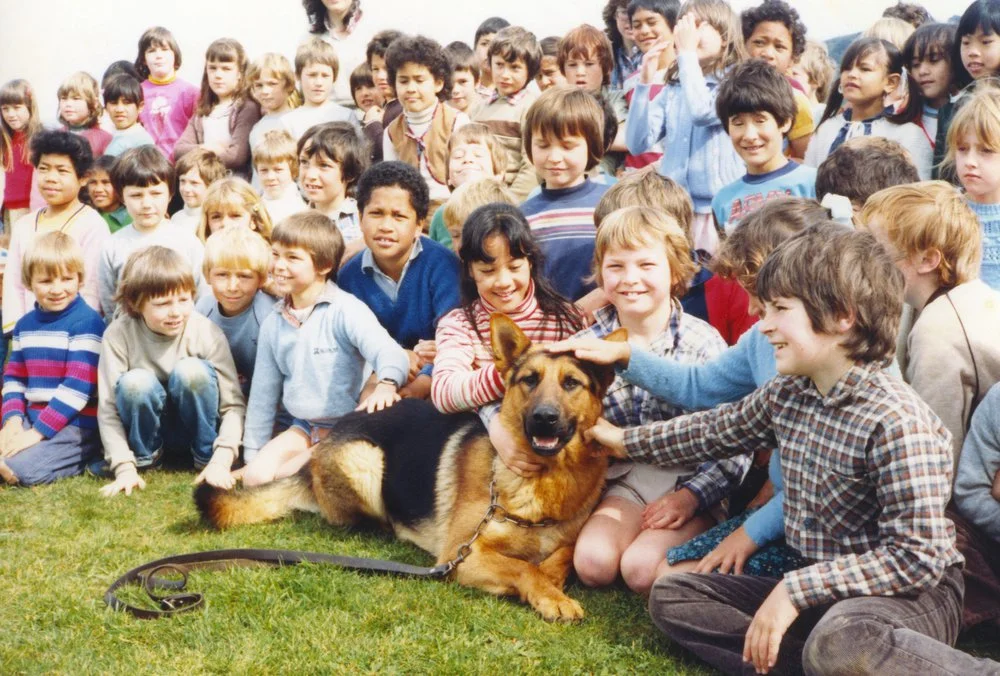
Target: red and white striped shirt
(465, 377)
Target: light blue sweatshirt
(731, 376)
(978, 464)
(697, 152)
(316, 369)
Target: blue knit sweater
(989, 218)
(428, 292)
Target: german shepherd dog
(428, 476)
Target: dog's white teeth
(545, 442)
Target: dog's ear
(606, 374)
(508, 341)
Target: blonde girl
(232, 202)
(18, 124)
(80, 110)
(697, 153)
(871, 70)
(225, 113)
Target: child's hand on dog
(125, 481)
(671, 510)
(729, 555)
(218, 472)
(384, 395)
(609, 437)
(594, 350)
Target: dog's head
(551, 398)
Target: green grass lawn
(62, 545)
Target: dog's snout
(545, 416)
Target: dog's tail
(224, 509)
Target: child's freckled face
(509, 77)
(167, 315)
(73, 109)
(636, 281)
(233, 289)
(101, 191)
(192, 188)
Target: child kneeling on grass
(166, 378)
(50, 383)
(867, 473)
(312, 351)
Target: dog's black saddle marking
(412, 434)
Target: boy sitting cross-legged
(867, 473)
(50, 383)
(757, 106)
(312, 351)
(236, 265)
(166, 379)
(408, 280)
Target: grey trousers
(907, 635)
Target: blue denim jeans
(182, 416)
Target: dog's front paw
(558, 608)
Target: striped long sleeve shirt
(51, 378)
(867, 472)
(465, 376)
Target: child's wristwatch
(389, 381)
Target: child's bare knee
(639, 568)
(595, 566)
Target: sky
(44, 41)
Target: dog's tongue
(545, 442)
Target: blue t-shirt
(562, 222)
(241, 331)
(747, 194)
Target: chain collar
(495, 512)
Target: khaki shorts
(641, 483)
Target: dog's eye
(530, 380)
(570, 383)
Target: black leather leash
(148, 575)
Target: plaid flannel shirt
(688, 340)
(867, 473)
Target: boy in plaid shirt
(867, 472)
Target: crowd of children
(808, 399)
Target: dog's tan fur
(343, 483)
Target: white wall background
(46, 40)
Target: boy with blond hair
(236, 268)
(50, 383)
(276, 165)
(272, 84)
(947, 348)
(514, 58)
(316, 67)
(467, 198)
(166, 379)
(867, 468)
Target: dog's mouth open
(548, 442)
